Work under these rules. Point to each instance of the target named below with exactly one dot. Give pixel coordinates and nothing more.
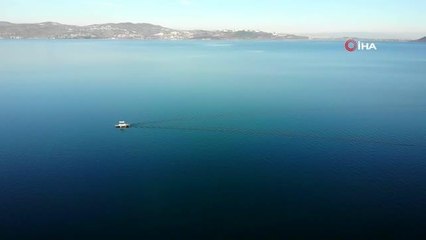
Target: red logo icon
(351, 45)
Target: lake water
(326, 143)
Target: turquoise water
(338, 150)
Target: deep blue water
(343, 171)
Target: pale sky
(298, 16)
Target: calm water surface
(343, 169)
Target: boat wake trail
(185, 119)
(278, 133)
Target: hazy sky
(298, 16)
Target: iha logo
(352, 45)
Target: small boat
(122, 124)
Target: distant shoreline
(147, 31)
(210, 40)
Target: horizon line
(384, 35)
